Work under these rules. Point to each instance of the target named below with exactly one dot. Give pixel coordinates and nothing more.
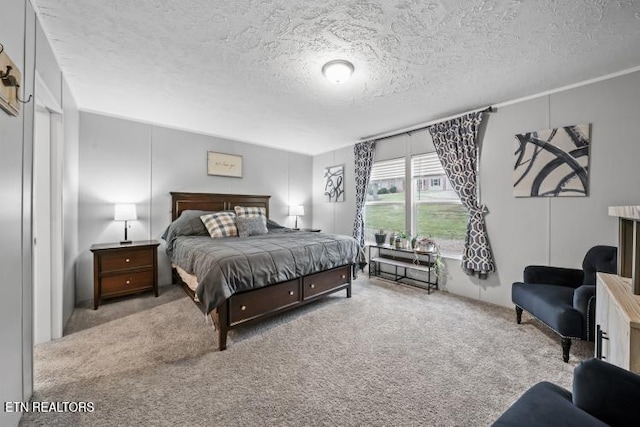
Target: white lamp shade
(125, 212)
(296, 210)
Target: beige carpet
(390, 355)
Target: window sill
(452, 256)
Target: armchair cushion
(552, 304)
(603, 394)
(571, 277)
(546, 404)
(607, 392)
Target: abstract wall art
(552, 162)
(334, 183)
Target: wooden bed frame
(257, 304)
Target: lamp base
(125, 242)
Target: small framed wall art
(220, 164)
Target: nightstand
(127, 269)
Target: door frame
(45, 99)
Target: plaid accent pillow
(220, 224)
(251, 211)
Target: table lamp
(296, 211)
(125, 212)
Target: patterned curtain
(457, 147)
(364, 161)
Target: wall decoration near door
(11, 79)
(334, 183)
(552, 162)
(224, 164)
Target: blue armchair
(564, 298)
(603, 394)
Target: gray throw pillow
(187, 224)
(251, 226)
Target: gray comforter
(229, 265)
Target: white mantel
(628, 212)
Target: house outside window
(436, 208)
(427, 207)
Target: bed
(242, 280)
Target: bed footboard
(257, 304)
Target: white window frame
(407, 190)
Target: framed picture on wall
(220, 164)
(552, 162)
(334, 183)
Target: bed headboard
(213, 202)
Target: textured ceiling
(250, 70)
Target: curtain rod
(386, 135)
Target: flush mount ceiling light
(337, 71)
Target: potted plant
(439, 264)
(380, 236)
(403, 240)
(427, 245)
(392, 239)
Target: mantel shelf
(628, 243)
(628, 212)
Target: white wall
(20, 33)
(128, 161)
(334, 217)
(559, 231)
(11, 136)
(523, 231)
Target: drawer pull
(127, 260)
(243, 308)
(312, 286)
(128, 281)
(291, 293)
(344, 276)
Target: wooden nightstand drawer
(245, 306)
(126, 283)
(123, 269)
(320, 283)
(122, 260)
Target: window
(437, 211)
(434, 207)
(386, 198)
